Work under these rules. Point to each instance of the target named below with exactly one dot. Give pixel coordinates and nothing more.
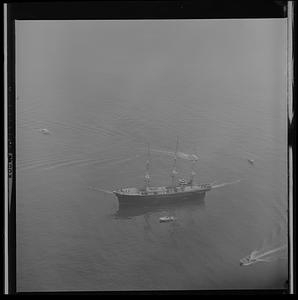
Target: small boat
(251, 161)
(44, 131)
(246, 261)
(166, 219)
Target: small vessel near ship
(248, 260)
(179, 189)
(166, 219)
(251, 161)
(44, 131)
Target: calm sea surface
(72, 237)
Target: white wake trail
(181, 155)
(261, 255)
(225, 184)
(100, 190)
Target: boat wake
(179, 154)
(100, 190)
(268, 256)
(224, 184)
(92, 161)
(273, 249)
(75, 162)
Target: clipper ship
(179, 190)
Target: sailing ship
(179, 190)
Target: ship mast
(193, 173)
(147, 175)
(174, 170)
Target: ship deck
(163, 190)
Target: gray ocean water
(72, 237)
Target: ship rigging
(178, 190)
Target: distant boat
(166, 219)
(251, 161)
(178, 190)
(44, 131)
(248, 260)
